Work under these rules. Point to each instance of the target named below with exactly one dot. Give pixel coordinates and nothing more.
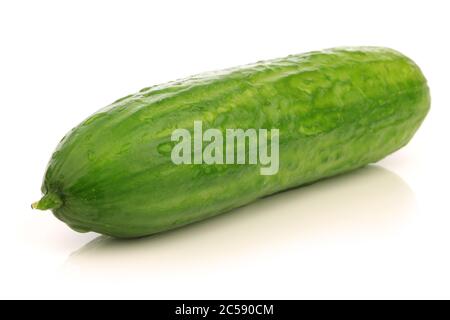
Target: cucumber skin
(337, 110)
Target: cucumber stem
(49, 201)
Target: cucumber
(336, 110)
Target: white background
(381, 232)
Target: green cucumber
(336, 110)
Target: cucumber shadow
(368, 203)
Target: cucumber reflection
(370, 202)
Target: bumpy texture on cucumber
(336, 110)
